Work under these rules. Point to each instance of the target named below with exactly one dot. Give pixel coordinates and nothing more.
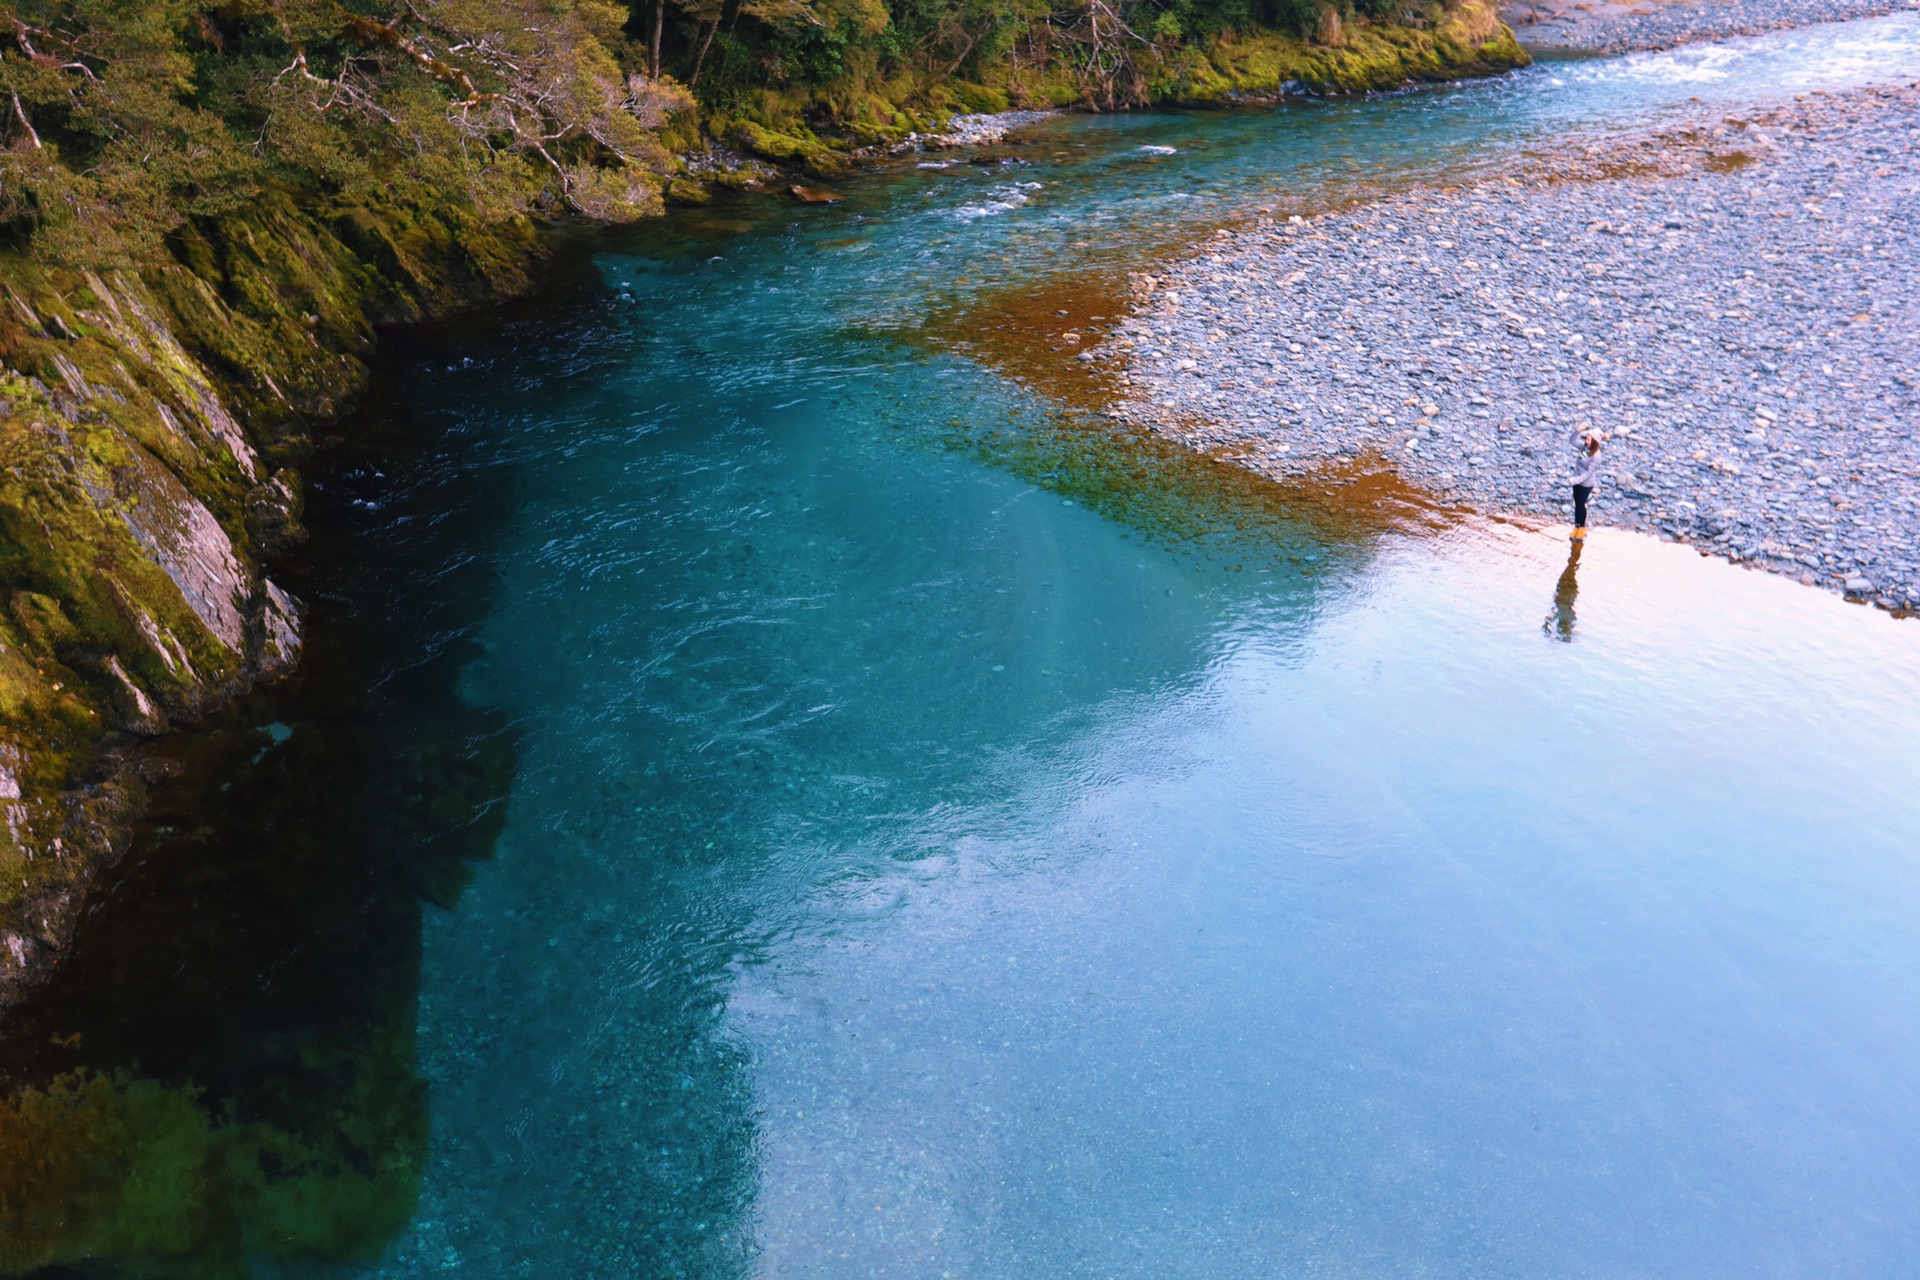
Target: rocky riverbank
(1626, 26)
(1736, 302)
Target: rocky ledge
(1736, 302)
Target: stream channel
(874, 821)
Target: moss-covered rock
(771, 144)
(980, 97)
(688, 191)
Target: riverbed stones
(1739, 314)
(1624, 26)
(982, 129)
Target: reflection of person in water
(1559, 623)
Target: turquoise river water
(926, 864)
(912, 871)
(947, 840)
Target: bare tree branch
(380, 35)
(20, 114)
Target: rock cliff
(151, 427)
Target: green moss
(762, 141)
(979, 97)
(743, 179)
(123, 1162)
(1456, 42)
(689, 192)
(41, 619)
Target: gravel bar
(984, 129)
(1610, 26)
(1736, 303)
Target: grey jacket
(1587, 469)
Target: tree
(123, 119)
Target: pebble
(1741, 315)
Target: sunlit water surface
(924, 862)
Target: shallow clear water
(948, 842)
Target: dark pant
(1581, 492)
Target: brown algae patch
(1208, 504)
(1034, 333)
(1170, 480)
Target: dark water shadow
(221, 1075)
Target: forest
(125, 121)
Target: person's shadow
(1559, 623)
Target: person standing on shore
(1586, 475)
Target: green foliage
(787, 63)
(126, 120)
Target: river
(935, 835)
